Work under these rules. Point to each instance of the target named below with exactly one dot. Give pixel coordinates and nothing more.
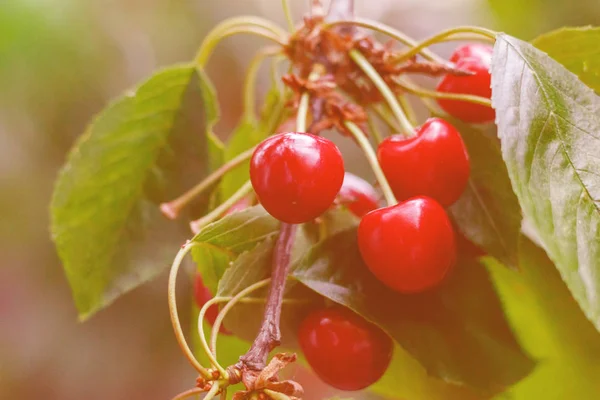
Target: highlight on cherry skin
(433, 163)
(343, 349)
(478, 61)
(358, 195)
(410, 247)
(201, 296)
(296, 176)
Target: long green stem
(302, 115)
(391, 32)
(419, 91)
(253, 25)
(228, 306)
(374, 130)
(385, 117)
(363, 142)
(408, 110)
(243, 191)
(384, 89)
(188, 394)
(212, 356)
(213, 391)
(285, 4)
(443, 36)
(174, 207)
(175, 316)
(251, 76)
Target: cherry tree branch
(269, 335)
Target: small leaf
(551, 326)
(456, 332)
(104, 207)
(488, 212)
(224, 240)
(549, 124)
(577, 50)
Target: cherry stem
(212, 392)
(285, 4)
(189, 393)
(385, 117)
(243, 191)
(253, 25)
(302, 115)
(250, 82)
(384, 89)
(374, 130)
(269, 335)
(441, 37)
(174, 207)
(238, 298)
(174, 314)
(422, 92)
(389, 31)
(363, 142)
(276, 395)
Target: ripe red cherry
(432, 163)
(478, 84)
(410, 246)
(478, 51)
(296, 176)
(202, 295)
(358, 195)
(343, 349)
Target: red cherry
(477, 84)
(202, 295)
(433, 163)
(358, 195)
(343, 349)
(410, 246)
(296, 176)
(477, 51)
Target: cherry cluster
(409, 245)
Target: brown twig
(269, 335)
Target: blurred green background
(61, 61)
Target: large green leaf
(456, 332)
(488, 212)
(548, 123)
(138, 152)
(551, 327)
(577, 50)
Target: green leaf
(457, 332)
(548, 123)
(248, 134)
(104, 207)
(224, 240)
(577, 50)
(488, 212)
(551, 326)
